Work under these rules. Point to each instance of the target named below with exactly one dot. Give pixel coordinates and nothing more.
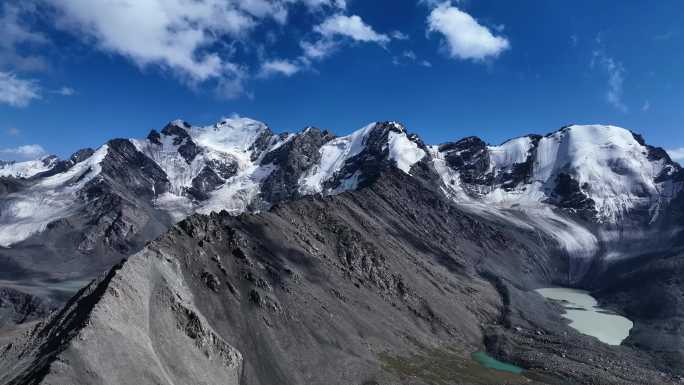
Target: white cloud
(615, 71)
(410, 55)
(265, 9)
(340, 26)
(195, 40)
(677, 154)
(65, 91)
(318, 49)
(17, 92)
(398, 35)
(169, 33)
(29, 151)
(646, 106)
(232, 85)
(341, 4)
(279, 67)
(465, 38)
(350, 26)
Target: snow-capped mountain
(443, 241)
(235, 165)
(598, 190)
(27, 169)
(601, 173)
(594, 189)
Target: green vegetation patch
(446, 366)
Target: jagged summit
(588, 186)
(442, 242)
(601, 172)
(392, 282)
(27, 169)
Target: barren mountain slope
(392, 283)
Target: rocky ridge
(351, 288)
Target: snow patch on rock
(570, 236)
(334, 155)
(26, 169)
(404, 151)
(511, 152)
(30, 211)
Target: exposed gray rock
(293, 159)
(470, 156)
(568, 195)
(187, 147)
(353, 288)
(333, 295)
(17, 307)
(205, 182)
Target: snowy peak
(27, 169)
(209, 168)
(236, 134)
(609, 165)
(600, 172)
(348, 162)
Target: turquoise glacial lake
(490, 362)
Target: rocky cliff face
(358, 288)
(445, 240)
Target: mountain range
(232, 254)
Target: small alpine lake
(490, 362)
(587, 317)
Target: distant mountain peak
(599, 174)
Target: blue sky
(75, 73)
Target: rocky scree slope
(606, 207)
(388, 284)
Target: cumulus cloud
(279, 67)
(616, 78)
(196, 40)
(677, 154)
(350, 26)
(29, 151)
(335, 30)
(341, 4)
(17, 92)
(464, 37)
(168, 33)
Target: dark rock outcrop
(368, 280)
(17, 307)
(471, 158)
(292, 159)
(568, 195)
